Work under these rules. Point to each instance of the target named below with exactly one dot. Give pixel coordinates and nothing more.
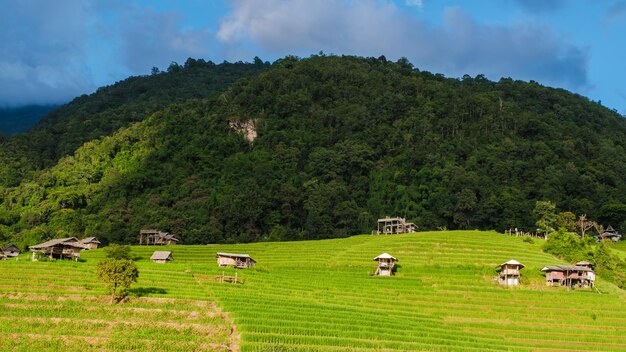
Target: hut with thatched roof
(162, 257)
(236, 260)
(9, 251)
(157, 238)
(509, 273)
(60, 248)
(90, 242)
(386, 262)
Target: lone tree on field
(118, 275)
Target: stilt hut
(9, 251)
(59, 248)
(609, 234)
(90, 242)
(392, 226)
(236, 260)
(509, 273)
(157, 238)
(161, 257)
(569, 275)
(386, 263)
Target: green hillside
(317, 296)
(341, 141)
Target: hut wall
(226, 261)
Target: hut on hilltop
(60, 248)
(236, 260)
(392, 226)
(569, 275)
(161, 257)
(386, 262)
(509, 273)
(157, 238)
(90, 242)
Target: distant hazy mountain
(20, 119)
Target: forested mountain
(340, 141)
(89, 117)
(19, 119)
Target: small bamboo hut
(569, 275)
(157, 238)
(509, 273)
(610, 234)
(240, 261)
(392, 226)
(9, 251)
(59, 248)
(161, 257)
(90, 242)
(386, 262)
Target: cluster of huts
(580, 274)
(63, 248)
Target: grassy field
(315, 296)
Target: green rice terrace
(313, 296)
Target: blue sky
(52, 51)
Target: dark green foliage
(116, 251)
(110, 108)
(341, 141)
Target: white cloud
(415, 3)
(459, 45)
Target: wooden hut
(161, 256)
(584, 264)
(9, 251)
(610, 234)
(569, 275)
(396, 225)
(509, 273)
(240, 261)
(60, 248)
(386, 262)
(157, 238)
(90, 242)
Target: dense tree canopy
(340, 141)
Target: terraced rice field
(316, 296)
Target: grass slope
(319, 296)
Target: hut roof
(513, 262)
(70, 241)
(564, 268)
(161, 255)
(9, 246)
(385, 256)
(386, 219)
(90, 240)
(233, 255)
